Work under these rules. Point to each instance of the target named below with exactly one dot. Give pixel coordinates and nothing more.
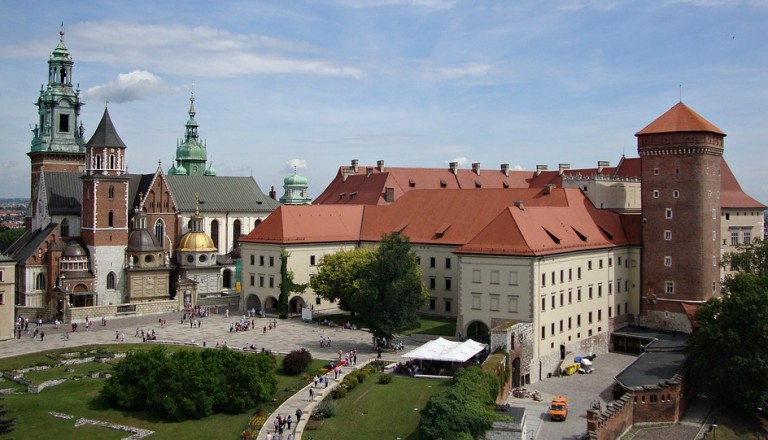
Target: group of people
(148, 335)
(283, 424)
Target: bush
(296, 362)
(327, 408)
(385, 379)
(339, 392)
(349, 382)
(362, 375)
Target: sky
(310, 85)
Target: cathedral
(103, 240)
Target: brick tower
(105, 210)
(680, 154)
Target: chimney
(540, 168)
(355, 164)
(273, 193)
(548, 188)
(380, 165)
(368, 172)
(453, 167)
(505, 169)
(602, 164)
(519, 204)
(389, 194)
(476, 167)
(563, 167)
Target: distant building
(7, 310)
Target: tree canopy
(287, 286)
(339, 277)
(7, 424)
(191, 384)
(731, 345)
(382, 286)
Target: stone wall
(611, 423)
(231, 302)
(95, 313)
(664, 403)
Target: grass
(80, 398)
(732, 425)
(380, 411)
(429, 325)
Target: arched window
(111, 161)
(111, 219)
(236, 231)
(111, 280)
(160, 232)
(40, 282)
(215, 233)
(227, 281)
(65, 228)
(98, 162)
(111, 192)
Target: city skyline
(417, 83)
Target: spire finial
(61, 32)
(192, 101)
(197, 203)
(680, 92)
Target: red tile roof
(485, 221)
(731, 194)
(679, 118)
(309, 224)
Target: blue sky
(417, 83)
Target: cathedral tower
(57, 139)
(105, 209)
(680, 155)
(191, 153)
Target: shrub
(327, 408)
(362, 375)
(350, 382)
(296, 362)
(339, 392)
(385, 378)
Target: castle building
(101, 241)
(296, 193)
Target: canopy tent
(447, 351)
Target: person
(291, 437)
(378, 356)
(299, 412)
(226, 313)
(288, 421)
(42, 336)
(269, 435)
(311, 394)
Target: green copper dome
(210, 171)
(191, 152)
(295, 180)
(180, 169)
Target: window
(747, 237)
(111, 192)
(570, 296)
(271, 261)
(476, 301)
(512, 304)
(494, 277)
(570, 323)
(476, 276)
(676, 194)
(610, 312)
(432, 283)
(589, 320)
(64, 123)
(513, 278)
(261, 280)
(160, 232)
(271, 281)
(578, 294)
(590, 292)
(668, 261)
(494, 303)
(543, 304)
(600, 263)
(2, 298)
(562, 276)
(543, 332)
(447, 284)
(215, 233)
(111, 281)
(578, 272)
(253, 279)
(552, 277)
(599, 315)
(236, 231)
(553, 301)
(578, 320)
(111, 219)
(668, 213)
(431, 261)
(655, 193)
(432, 303)
(253, 260)
(669, 287)
(600, 290)
(64, 228)
(552, 328)
(562, 298)
(447, 263)
(655, 171)
(311, 260)
(1, 275)
(589, 265)
(318, 301)
(447, 305)
(727, 215)
(610, 288)
(543, 280)
(261, 260)
(667, 235)
(610, 262)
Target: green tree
(339, 277)
(8, 236)
(731, 345)
(7, 424)
(392, 291)
(287, 286)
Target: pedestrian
(378, 356)
(226, 313)
(289, 421)
(42, 336)
(315, 380)
(291, 437)
(311, 394)
(299, 412)
(269, 435)
(117, 336)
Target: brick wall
(613, 421)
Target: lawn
(81, 399)
(429, 325)
(379, 411)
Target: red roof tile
(309, 224)
(731, 194)
(679, 118)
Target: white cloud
(469, 70)
(127, 87)
(292, 164)
(461, 160)
(518, 167)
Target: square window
(494, 277)
(655, 193)
(669, 287)
(512, 304)
(476, 276)
(513, 278)
(668, 261)
(476, 301)
(667, 235)
(311, 260)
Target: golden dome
(195, 241)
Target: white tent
(448, 351)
